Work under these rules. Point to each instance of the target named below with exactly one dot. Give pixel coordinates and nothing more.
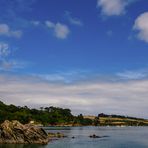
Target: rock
(15, 132)
(56, 135)
(94, 136)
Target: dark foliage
(46, 116)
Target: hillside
(55, 116)
(118, 120)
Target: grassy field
(119, 121)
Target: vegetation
(56, 116)
(46, 116)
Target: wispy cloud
(11, 65)
(141, 25)
(4, 50)
(6, 62)
(67, 77)
(36, 23)
(128, 98)
(132, 75)
(61, 31)
(73, 20)
(10, 12)
(5, 30)
(109, 33)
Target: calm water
(117, 137)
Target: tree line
(45, 115)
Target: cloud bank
(87, 97)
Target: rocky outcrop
(56, 135)
(15, 132)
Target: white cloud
(4, 50)
(61, 31)
(112, 7)
(72, 20)
(5, 30)
(141, 25)
(91, 97)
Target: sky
(90, 56)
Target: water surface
(115, 137)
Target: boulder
(15, 132)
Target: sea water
(112, 137)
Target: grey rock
(15, 132)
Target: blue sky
(67, 44)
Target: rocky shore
(14, 132)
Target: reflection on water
(21, 146)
